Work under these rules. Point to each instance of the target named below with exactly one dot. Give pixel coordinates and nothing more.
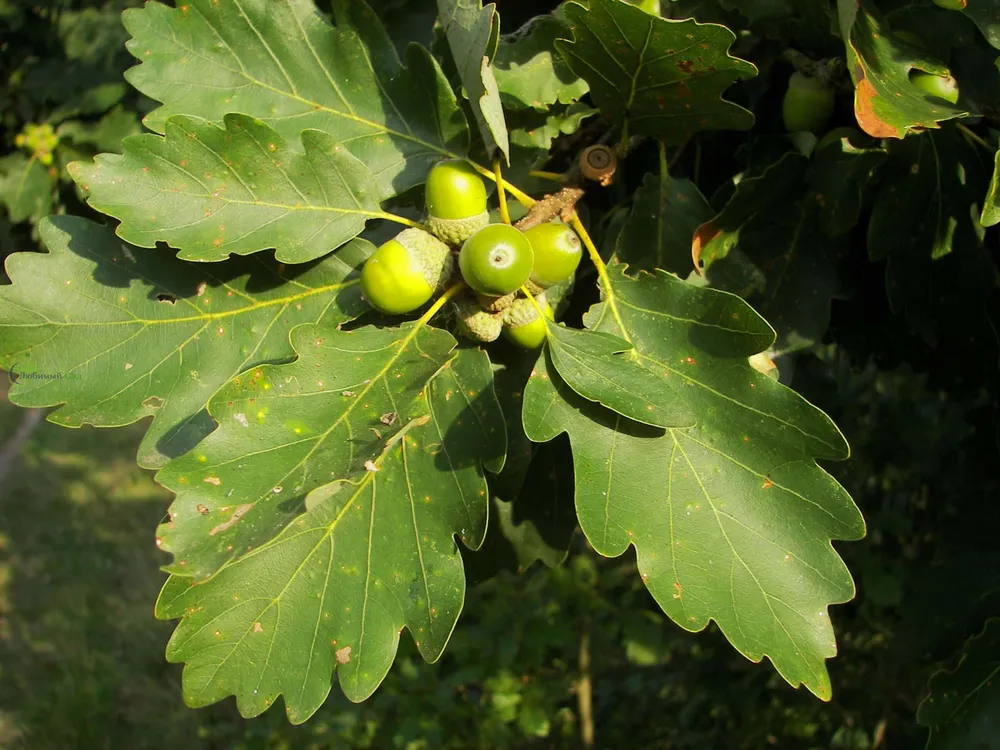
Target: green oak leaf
(211, 191)
(121, 333)
(473, 33)
(666, 213)
(768, 245)
(26, 188)
(962, 709)
(285, 430)
(530, 73)
(732, 519)
(656, 77)
(535, 130)
(372, 554)
(886, 103)
(282, 62)
(602, 368)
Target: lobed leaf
(114, 333)
(372, 554)
(886, 103)
(666, 213)
(212, 192)
(285, 430)
(282, 62)
(655, 76)
(473, 32)
(530, 72)
(603, 368)
(731, 519)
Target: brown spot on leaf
(703, 236)
(343, 655)
(238, 512)
(864, 110)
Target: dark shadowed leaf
(963, 707)
(655, 77)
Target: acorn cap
(477, 324)
(522, 312)
(433, 256)
(457, 231)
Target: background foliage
(888, 307)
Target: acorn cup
(475, 323)
(456, 201)
(404, 273)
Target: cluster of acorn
(495, 261)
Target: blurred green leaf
(26, 187)
(530, 73)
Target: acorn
(456, 201)
(496, 260)
(404, 273)
(808, 104)
(523, 325)
(475, 323)
(557, 250)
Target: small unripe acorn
(943, 87)
(808, 104)
(456, 201)
(557, 252)
(404, 273)
(523, 325)
(477, 324)
(951, 4)
(496, 260)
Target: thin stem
(551, 176)
(602, 273)
(403, 220)
(519, 195)
(623, 144)
(440, 302)
(975, 137)
(664, 168)
(501, 195)
(533, 301)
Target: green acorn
(456, 201)
(475, 323)
(496, 260)
(523, 325)
(557, 251)
(944, 87)
(808, 104)
(404, 273)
